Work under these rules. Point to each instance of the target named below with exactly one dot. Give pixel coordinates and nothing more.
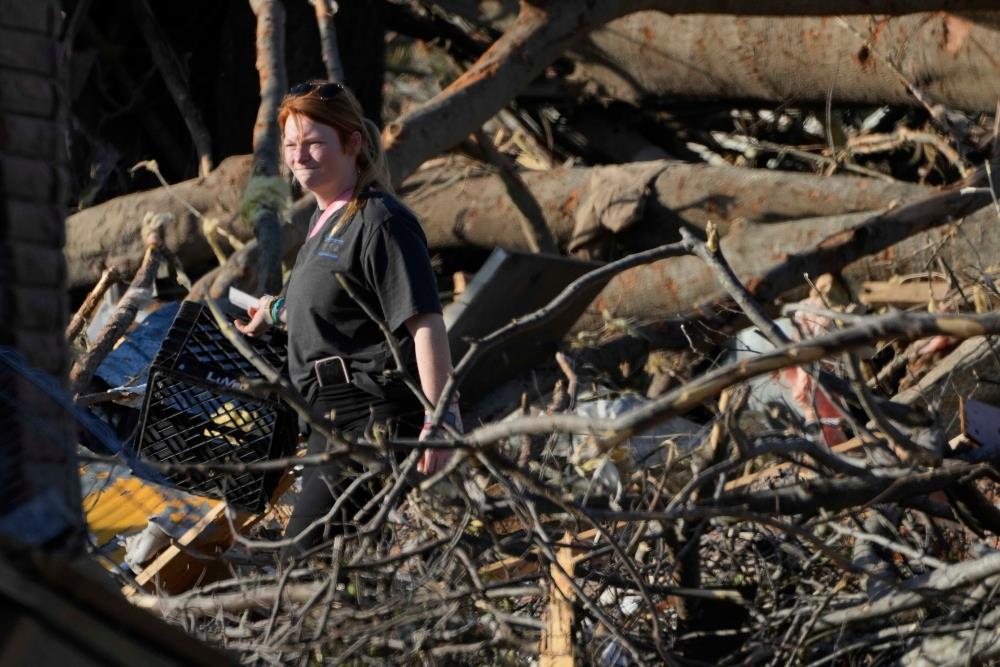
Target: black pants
(355, 411)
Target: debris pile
(798, 493)
(737, 405)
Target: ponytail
(373, 171)
(374, 157)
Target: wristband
(274, 310)
(265, 306)
(450, 418)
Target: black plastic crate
(195, 412)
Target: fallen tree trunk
(527, 47)
(501, 13)
(771, 259)
(799, 54)
(650, 54)
(476, 210)
(857, 60)
(459, 210)
(674, 286)
(109, 233)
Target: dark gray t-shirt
(382, 253)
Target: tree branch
(138, 295)
(326, 10)
(266, 194)
(110, 276)
(170, 69)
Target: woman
(336, 353)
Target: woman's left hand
(257, 325)
(434, 460)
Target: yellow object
(228, 415)
(117, 503)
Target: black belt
(333, 371)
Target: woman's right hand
(258, 321)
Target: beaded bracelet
(264, 305)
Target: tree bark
(856, 60)
(325, 13)
(109, 233)
(459, 210)
(536, 231)
(501, 13)
(771, 259)
(536, 38)
(262, 200)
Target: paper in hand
(241, 299)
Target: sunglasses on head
(324, 91)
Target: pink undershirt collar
(338, 202)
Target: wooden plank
(174, 566)
(176, 569)
(913, 293)
(556, 645)
(510, 568)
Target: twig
(170, 69)
(577, 590)
(889, 544)
(875, 143)
(864, 396)
(906, 326)
(915, 591)
(543, 315)
(711, 253)
(742, 144)
(326, 10)
(109, 277)
(390, 339)
(316, 523)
